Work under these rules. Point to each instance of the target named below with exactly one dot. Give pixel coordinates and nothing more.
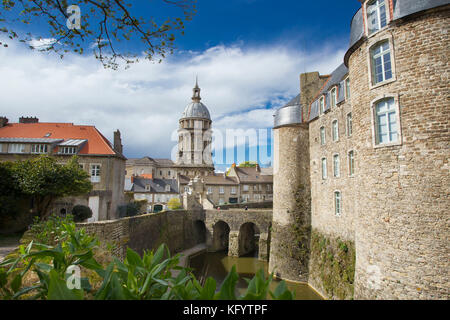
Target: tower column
(291, 222)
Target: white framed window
(351, 163)
(335, 130)
(16, 148)
(386, 122)
(167, 188)
(269, 187)
(324, 168)
(255, 187)
(347, 88)
(349, 125)
(81, 166)
(186, 189)
(381, 64)
(147, 187)
(333, 97)
(221, 201)
(377, 15)
(322, 105)
(337, 203)
(233, 190)
(336, 166)
(256, 196)
(210, 190)
(322, 136)
(67, 150)
(39, 148)
(245, 187)
(95, 173)
(221, 190)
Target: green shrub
(174, 204)
(81, 213)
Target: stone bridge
(236, 230)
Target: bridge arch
(248, 239)
(221, 235)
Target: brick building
(102, 160)
(361, 158)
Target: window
(168, 173)
(322, 105)
(160, 172)
(255, 187)
(376, 16)
(351, 163)
(347, 88)
(81, 165)
(256, 196)
(386, 121)
(67, 150)
(336, 171)
(16, 148)
(221, 190)
(39, 148)
(147, 187)
(167, 188)
(333, 97)
(186, 189)
(349, 124)
(245, 187)
(324, 168)
(233, 190)
(260, 187)
(335, 130)
(381, 62)
(322, 135)
(95, 173)
(337, 203)
(269, 187)
(221, 201)
(210, 191)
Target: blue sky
(248, 55)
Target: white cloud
(240, 86)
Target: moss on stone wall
(332, 265)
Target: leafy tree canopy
(44, 179)
(248, 164)
(174, 204)
(103, 25)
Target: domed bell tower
(194, 156)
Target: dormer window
(147, 187)
(322, 105)
(333, 97)
(39, 148)
(376, 15)
(67, 150)
(167, 188)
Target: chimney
(118, 142)
(258, 169)
(28, 120)
(3, 121)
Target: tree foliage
(44, 179)
(174, 204)
(81, 213)
(104, 25)
(248, 164)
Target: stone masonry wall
(146, 232)
(402, 222)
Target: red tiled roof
(96, 142)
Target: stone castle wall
(402, 191)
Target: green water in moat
(217, 265)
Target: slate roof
(252, 175)
(196, 110)
(156, 185)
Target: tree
(9, 192)
(81, 213)
(103, 24)
(248, 164)
(44, 180)
(174, 204)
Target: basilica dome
(196, 110)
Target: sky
(248, 55)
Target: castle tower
(194, 156)
(291, 200)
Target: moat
(218, 264)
